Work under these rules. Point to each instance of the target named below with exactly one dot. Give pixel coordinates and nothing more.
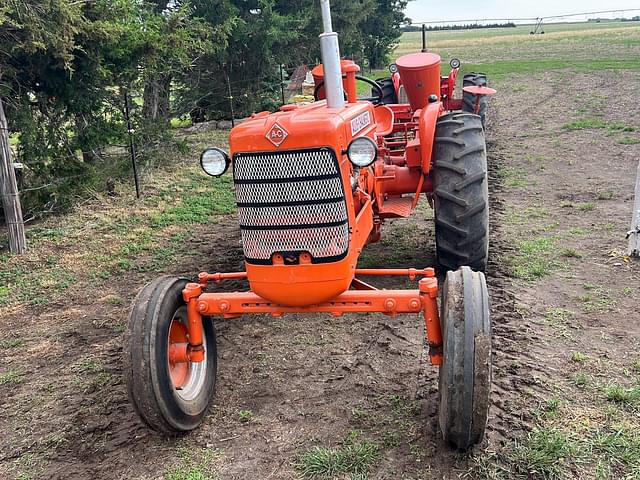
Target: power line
(476, 20)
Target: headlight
(214, 161)
(362, 151)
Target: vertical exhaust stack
(330, 51)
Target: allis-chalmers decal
(277, 135)
(359, 122)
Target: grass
(599, 300)
(579, 357)
(586, 207)
(629, 141)
(619, 394)
(596, 123)
(194, 463)
(581, 379)
(515, 178)
(573, 443)
(10, 377)
(355, 457)
(534, 258)
(9, 343)
(571, 253)
(101, 241)
(91, 374)
(559, 318)
(605, 195)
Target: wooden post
(634, 232)
(9, 191)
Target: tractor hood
(309, 126)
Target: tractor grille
(291, 202)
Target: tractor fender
(427, 127)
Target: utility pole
(634, 233)
(9, 191)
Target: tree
(381, 31)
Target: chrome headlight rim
(354, 159)
(224, 155)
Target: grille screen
(291, 202)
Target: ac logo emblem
(277, 135)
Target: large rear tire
(388, 89)
(461, 192)
(171, 398)
(469, 99)
(465, 374)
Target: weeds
(534, 260)
(10, 377)
(581, 379)
(595, 123)
(579, 357)
(194, 464)
(11, 343)
(245, 416)
(355, 457)
(604, 195)
(586, 207)
(619, 394)
(571, 253)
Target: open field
(502, 51)
(321, 397)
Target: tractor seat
(384, 120)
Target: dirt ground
(561, 202)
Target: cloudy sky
(432, 10)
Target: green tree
(381, 31)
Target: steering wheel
(375, 99)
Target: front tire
(171, 398)
(465, 374)
(461, 192)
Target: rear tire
(157, 317)
(388, 90)
(461, 192)
(469, 99)
(465, 374)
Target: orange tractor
(314, 185)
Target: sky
(433, 10)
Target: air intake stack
(330, 51)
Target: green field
(500, 51)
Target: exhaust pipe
(330, 52)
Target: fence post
(9, 191)
(634, 232)
(132, 144)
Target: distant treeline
(598, 20)
(433, 28)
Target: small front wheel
(170, 397)
(465, 374)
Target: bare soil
(311, 380)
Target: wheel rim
(187, 378)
